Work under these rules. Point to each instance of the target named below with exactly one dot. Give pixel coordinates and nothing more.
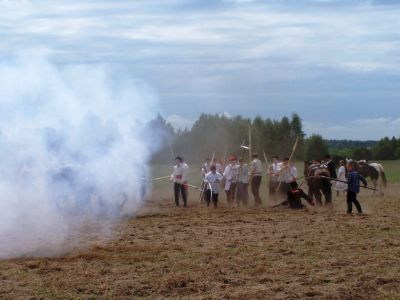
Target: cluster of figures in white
(236, 176)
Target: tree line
(222, 135)
(384, 149)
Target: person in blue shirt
(353, 188)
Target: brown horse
(316, 183)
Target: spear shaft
(334, 179)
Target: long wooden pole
(164, 177)
(250, 148)
(334, 179)
(212, 159)
(225, 156)
(267, 166)
(294, 149)
(159, 178)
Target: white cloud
(375, 121)
(206, 55)
(360, 129)
(364, 40)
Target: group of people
(281, 175)
(236, 176)
(349, 184)
(234, 179)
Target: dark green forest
(224, 136)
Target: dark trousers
(209, 198)
(242, 193)
(352, 198)
(255, 189)
(273, 185)
(285, 187)
(231, 193)
(327, 190)
(180, 188)
(296, 205)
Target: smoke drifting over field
(73, 147)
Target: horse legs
(310, 193)
(313, 194)
(381, 187)
(375, 182)
(318, 197)
(327, 191)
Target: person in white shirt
(288, 174)
(242, 183)
(230, 175)
(256, 170)
(212, 182)
(341, 186)
(179, 177)
(205, 169)
(273, 173)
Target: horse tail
(384, 180)
(382, 171)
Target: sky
(334, 62)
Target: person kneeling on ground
(212, 181)
(294, 196)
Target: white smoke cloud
(73, 146)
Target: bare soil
(238, 253)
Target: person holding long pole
(230, 175)
(179, 177)
(353, 188)
(205, 169)
(242, 193)
(288, 174)
(212, 181)
(273, 173)
(256, 170)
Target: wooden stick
(212, 159)
(191, 185)
(165, 177)
(250, 148)
(225, 156)
(267, 173)
(159, 178)
(294, 149)
(361, 186)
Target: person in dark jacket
(353, 188)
